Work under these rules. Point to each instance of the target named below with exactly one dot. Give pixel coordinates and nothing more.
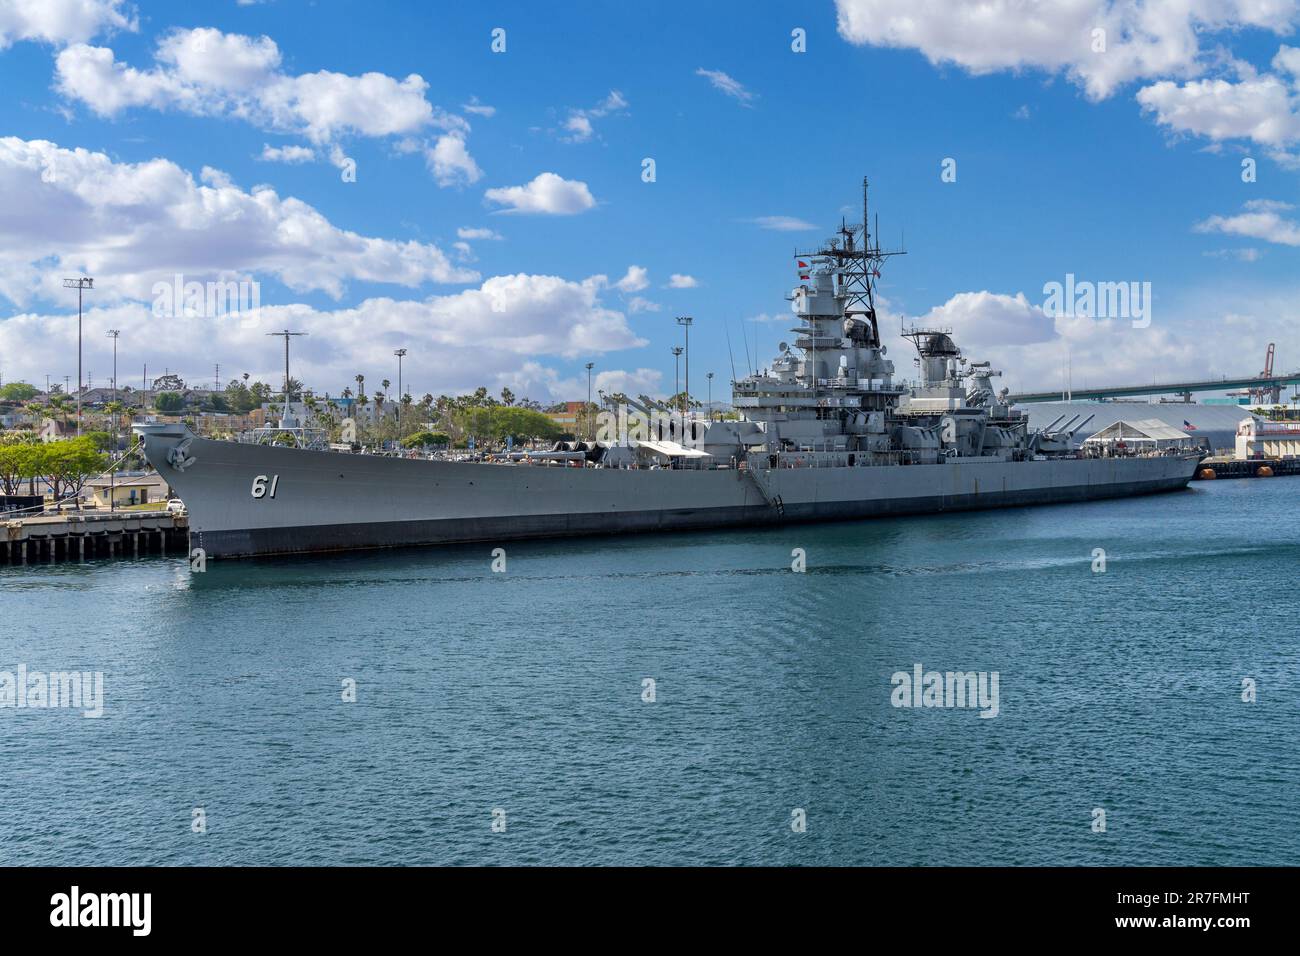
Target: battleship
(825, 432)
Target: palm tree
(406, 412)
(59, 403)
(115, 409)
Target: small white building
(1257, 438)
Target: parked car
(175, 505)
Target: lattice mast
(856, 262)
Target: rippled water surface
(522, 691)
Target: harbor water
(681, 699)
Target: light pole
(677, 371)
(112, 471)
(399, 353)
(685, 322)
(81, 284)
(113, 334)
(710, 378)
(590, 366)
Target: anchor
(179, 457)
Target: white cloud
(782, 223)
(210, 73)
(579, 128)
(537, 380)
(578, 125)
(726, 84)
(547, 193)
(133, 224)
(679, 281)
(206, 58)
(1015, 334)
(61, 21)
(980, 319)
(466, 232)
(1246, 254)
(1143, 40)
(1262, 219)
(90, 74)
(456, 342)
(1262, 108)
(640, 304)
(287, 154)
(636, 279)
(641, 381)
(450, 161)
(479, 109)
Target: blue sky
(1129, 171)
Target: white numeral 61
(260, 487)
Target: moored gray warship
(825, 433)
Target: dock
(78, 537)
(1212, 468)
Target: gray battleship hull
(317, 501)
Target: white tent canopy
(1148, 431)
(671, 449)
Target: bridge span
(1186, 389)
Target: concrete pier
(81, 536)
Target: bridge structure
(1183, 389)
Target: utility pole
(590, 366)
(685, 322)
(287, 335)
(399, 353)
(710, 378)
(81, 284)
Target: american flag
(1188, 426)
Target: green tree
(169, 403)
(425, 439)
(261, 393)
(102, 440)
(18, 392)
(496, 423)
(67, 464)
(17, 464)
(238, 398)
(60, 405)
